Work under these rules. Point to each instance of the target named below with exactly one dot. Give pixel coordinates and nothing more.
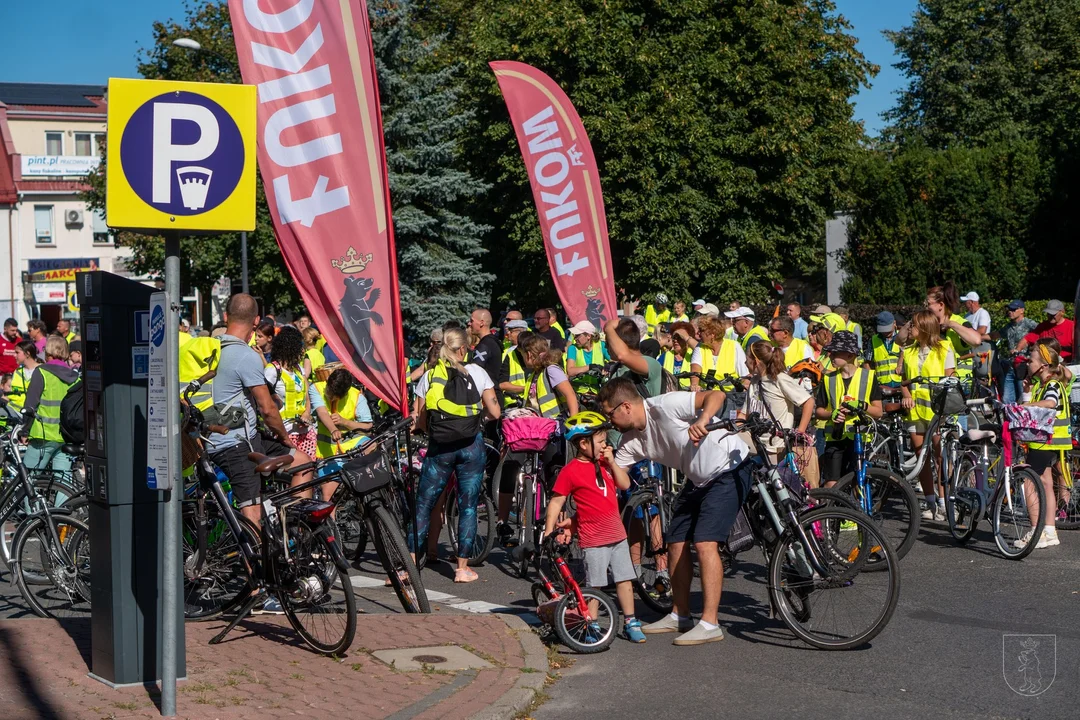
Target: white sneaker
(1049, 539)
(928, 511)
(699, 636)
(941, 511)
(668, 624)
(1023, 542)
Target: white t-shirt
(740, 359)
(979, 318)
(665, 440)
(479, 377)
(782, 396)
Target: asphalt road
(940, 657)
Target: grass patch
(297, 676)
(126, 705)
(243, 673)
(357, 666)
(481, 654)
(539, 698)
(200, 687)
(216, 702)
(236, 700)
(231, 682)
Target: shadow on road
(26, 680)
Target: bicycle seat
(72, 449)
(265, 465)
(976, 437)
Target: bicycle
(878, 492)
(991, 483)
(50, 549)
(566, 608)
(815, 557)
(292, 555)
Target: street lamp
(196, 46)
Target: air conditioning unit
(73, 217)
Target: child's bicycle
(564, 606)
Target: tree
(438, 244)
(722, 130)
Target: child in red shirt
(593, 479)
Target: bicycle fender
(335, 548)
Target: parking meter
(126, 517)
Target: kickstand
(244, 611)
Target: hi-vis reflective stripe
(48, 421)
(50, 403)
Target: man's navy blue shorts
(706, 513)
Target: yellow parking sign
(181, 156)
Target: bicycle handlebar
(374, 441)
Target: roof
(59, 187)
(38, 94)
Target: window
(43, 224)
(86, 144)
(101, 230)
(54, 143)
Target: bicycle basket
(528, 433)
(366, 473)
(948, 400)
(741, 536)
(1030, 424)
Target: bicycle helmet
(661, 299)
(808, 369)
(585, 423)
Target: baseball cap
(517, 325)
(1054, 307)
(709, 309)
(885, 321)
(821, 310)
(739, 312)
(698, 303)
(1016, 304)
(843, 341)
(583, 328)
(970, 296)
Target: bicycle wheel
(396, 560)
(581, 635)
(485, 527)
(895, 506)
(1011, 508)
(315, 595)
(830, 497)
(351, 529)
(1068, 495)
(845, 608)
(56, 493)
(648, 551)
(66, 565)
(964, 504)
(215, 573)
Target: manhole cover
(429, 659)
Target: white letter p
(165, 152)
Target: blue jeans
(1012, 390)
(43, 454)
(467, 462)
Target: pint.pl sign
(181, 156)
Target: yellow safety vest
(853, 327)
(684, 367)
(70, 337)
(680, 318)
(447, 418)
(755, 332)
(558, 328)
(933, 368)
(47, 421)
(194, 363)
(963, 367)
(723, 363)
(1062, 437)
(596, 354)
(296, 394)
(316, 357)
(183, 339)
(652, 318)
(20, 380)
(550, 402)
(857, 387)
(517, 374)
(797, 351)
(346, 408)
(885, 360)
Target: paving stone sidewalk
(262, 671)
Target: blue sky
(74, 41)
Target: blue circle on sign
(182, 153)
(157, 326)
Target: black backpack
(72, 419)
(444, 427)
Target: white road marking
(479, 607)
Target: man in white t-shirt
(977, 315)
(670, 429)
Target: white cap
(583, 328)
(739, 312)
(698, 303)
(709, 309)
(970, 296)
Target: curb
(521, 695)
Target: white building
(48, 143)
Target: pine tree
(439, 245)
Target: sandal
(465, 575)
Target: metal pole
(243, 262)
(170, 564)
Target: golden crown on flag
(590, 292)
(352, 262)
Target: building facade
(49, 138)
